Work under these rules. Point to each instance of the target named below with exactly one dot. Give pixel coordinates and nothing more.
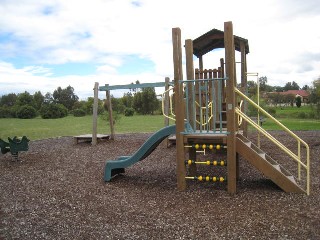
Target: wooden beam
(231, 103)
(179, 108)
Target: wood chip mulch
(56, 191)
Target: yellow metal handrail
(202, 115)
(296, 157)
(170, 102)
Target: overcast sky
(49, 43)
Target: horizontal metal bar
(131, 86)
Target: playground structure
(210, 113)
(14, 146)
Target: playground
(57, 190)
(220, 179)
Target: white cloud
(284, 43)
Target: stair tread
(277, 166)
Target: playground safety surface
(57, 191)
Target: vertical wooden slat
(230, 73)
(179, 108)
(222, 76)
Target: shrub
(79, 112)
(302, 115)
(6, 112)
(128, 112)
(26, 112)
(53, 110)
(312, 115)
(272, 111)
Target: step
(277, 166)
(292, 179)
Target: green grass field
(71, 126)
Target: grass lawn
(71, 126)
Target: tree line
(64, 101)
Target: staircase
(268, 166)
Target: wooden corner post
(179, 108)
(109, 106)
(191, 110)
(231, 104)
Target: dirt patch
(57, 192)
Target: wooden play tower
(211, 111)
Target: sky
(45, 44)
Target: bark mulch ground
(57, 191)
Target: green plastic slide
(115, 167)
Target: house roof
(215, 39)
(302, 93)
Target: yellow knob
(200, 178)
(221, 179)
(204, 146)
(189, 162)
(208, 162)
(218, 147)
(215, 163)
(207, 178)
(222, 163)
(197, 146)
(214, 179)
(210, 146)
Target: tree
(263, 83)
(252, 88)
(8, 100)
(145, 102)
(298, 101)
(127, 100)
(48, 98)
(25, 99)
(291, 86)
(66, 96)
(38, 100)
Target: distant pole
(95, 114)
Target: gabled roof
(215, 39)
(302, 93)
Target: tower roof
(215, 39)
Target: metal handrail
(296, 157)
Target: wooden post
(166, 106)
(179, 108)
(109, 106)
(244, 85)
(231, 123)
(95, 114)
(200, 63)
(191, 110)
